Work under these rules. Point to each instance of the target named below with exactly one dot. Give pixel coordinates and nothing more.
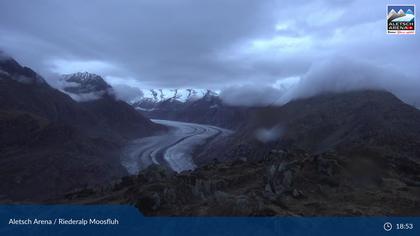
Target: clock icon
(387, 226)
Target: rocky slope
(116, 117)
(357, 123)
(285, 182)
(50, 144)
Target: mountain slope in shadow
(358, 121)
(51, 144)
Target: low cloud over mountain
(251, 95)
(338, 74)
(342, 75)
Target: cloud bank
(213, 44)
(337, 74)
(341, 74)
(127, 93)
(250, 95)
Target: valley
(347, 153)
(174, 149)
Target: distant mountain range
(153, 99)
(181, 95)
(197, 106)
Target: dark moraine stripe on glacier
(173, 149)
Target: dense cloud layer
(214, 44)
(337, 74)
(251, 95)
(127, 93)
(341, 75)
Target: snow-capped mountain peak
(84, 82)
(181, 95)
(80, 77)
(84, 86)
(164, 99)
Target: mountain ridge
(353, 121)
(51, 144)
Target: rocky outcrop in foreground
(282, 183)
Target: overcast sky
(202, 43)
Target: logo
(401, 19)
